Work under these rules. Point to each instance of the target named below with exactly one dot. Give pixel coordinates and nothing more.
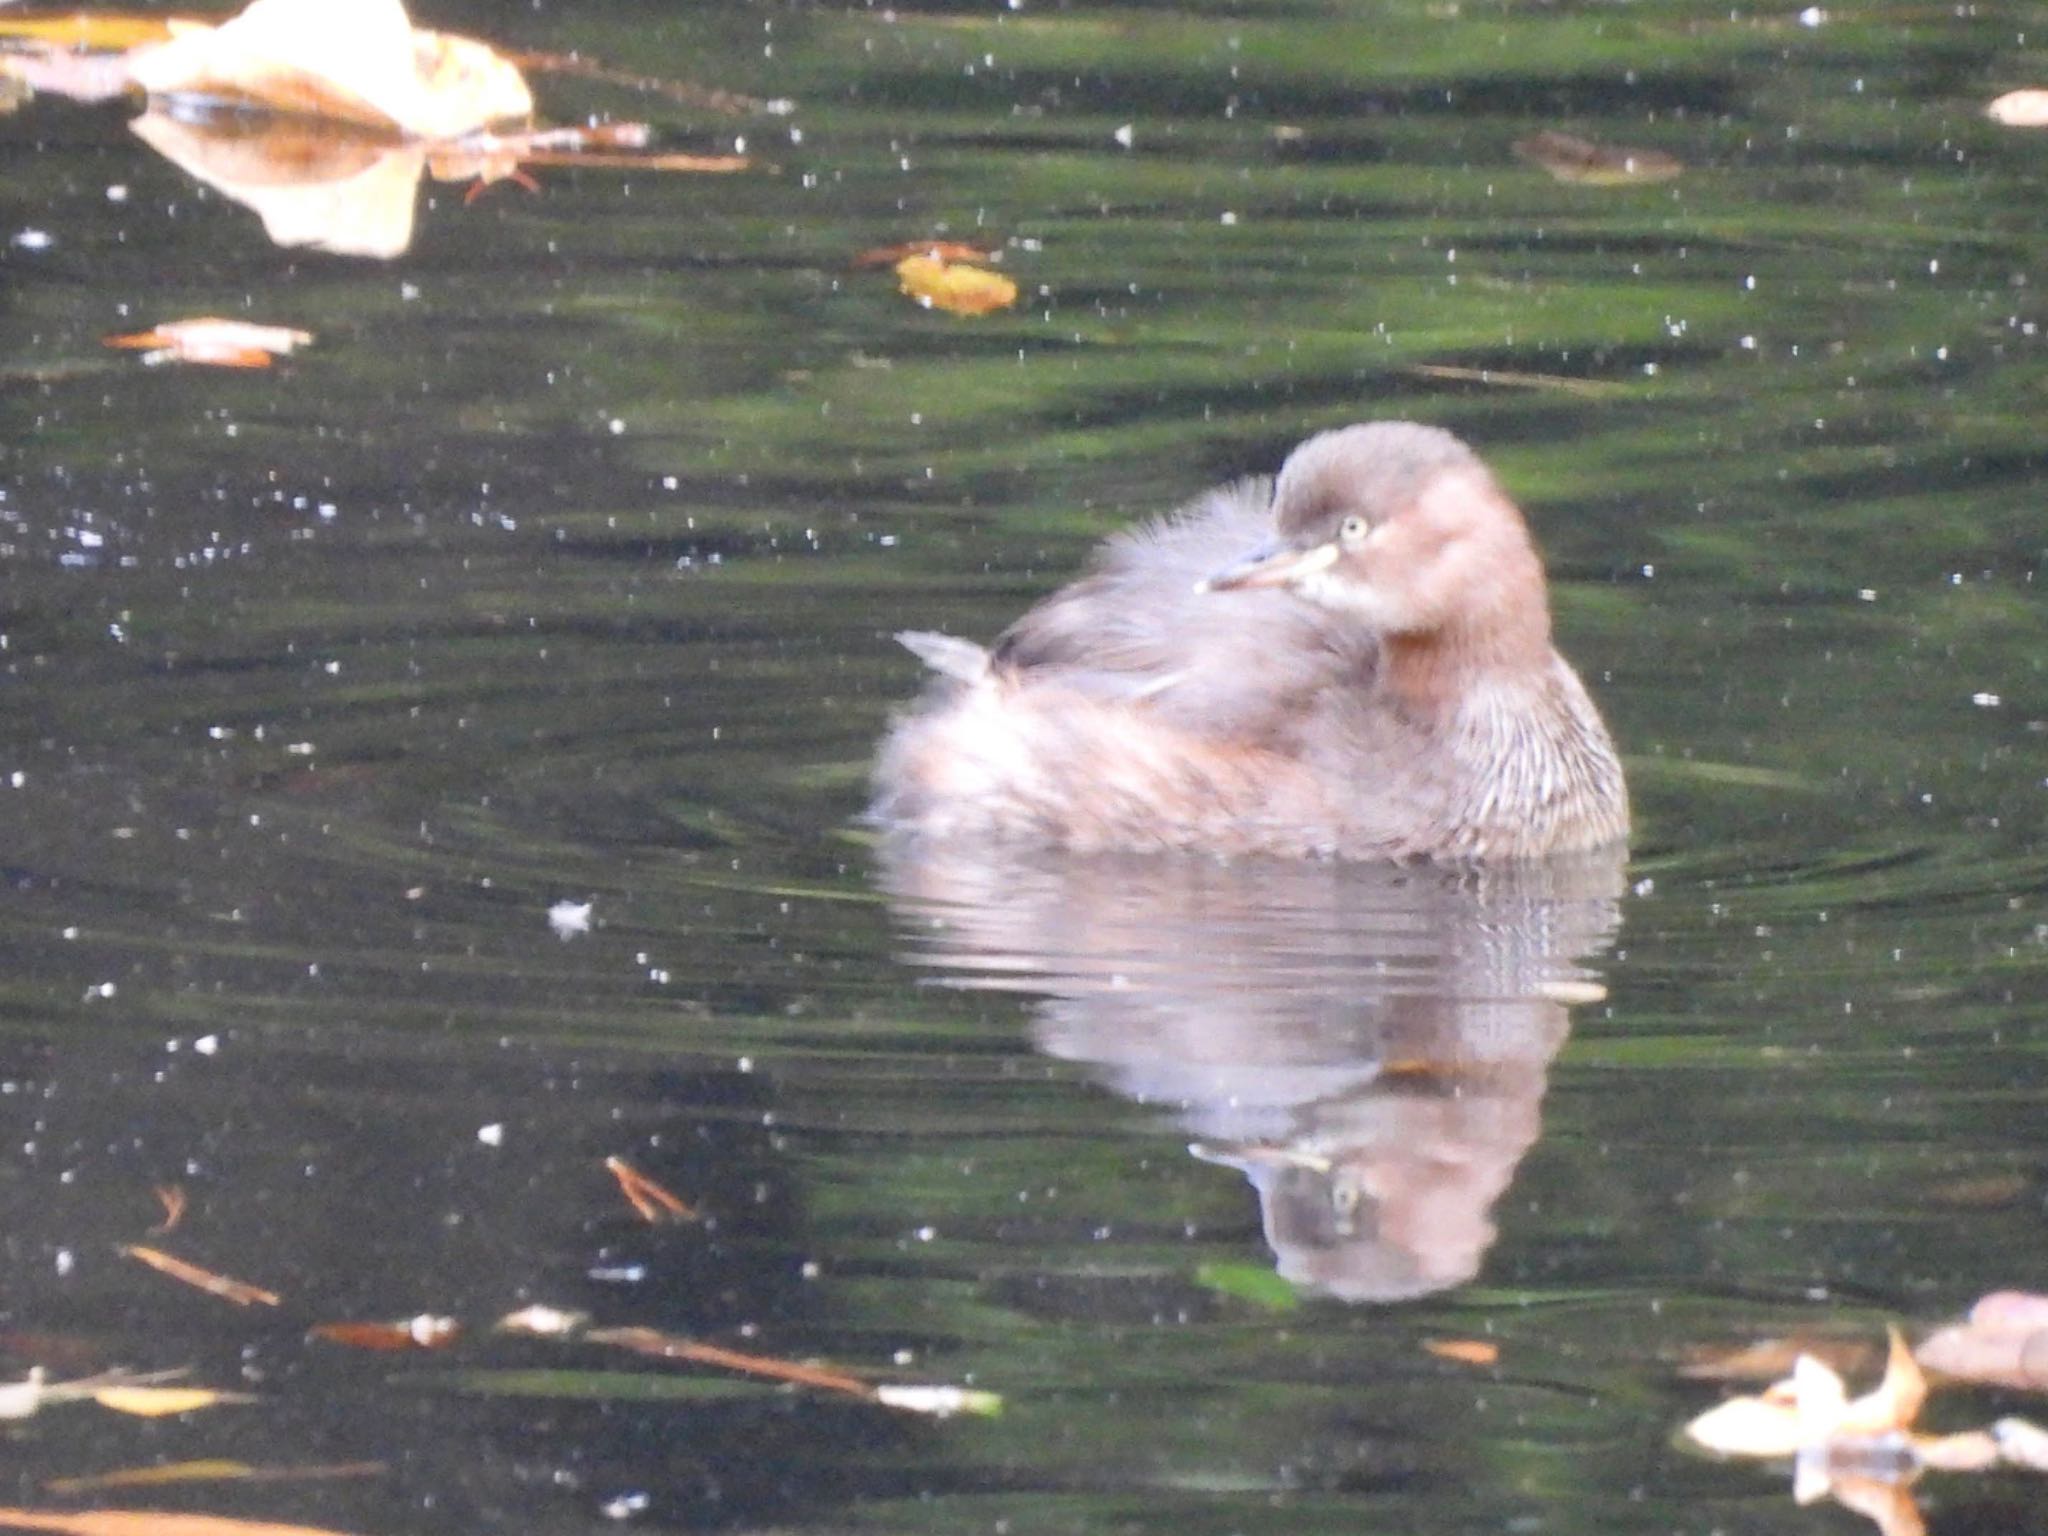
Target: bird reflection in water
(1367, 1043)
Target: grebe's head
(1402, 526)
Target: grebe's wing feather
(1135, 628)
(946, 654)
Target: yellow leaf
(1896, 1400)
(87, 32)
(147, 1522)
(162, 1402)
(155, 1476)
(353, 61)
(959, 290)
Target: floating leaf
(426, 1331)
(152, 1477)
(940, 1402)
(349, 61)
(88, 31)
(937, 250)
(172, 1196)
(217, 343)
(1813, 1408)
(958, 290)
(669, 1346)
(1748, 1426)
(2021, 1444)
(164, 1402)
(23, 1399)
(148, 1522)
(239, 1292)
(2020, 109)
(544, 1322)
(1581, 161)
(1464, 1351)
(2003, 1343)
(1253, 1283)
(654, 1203)
(175, 1472)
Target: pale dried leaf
(312, 184)
(1748, 1426)
(940, 1402)
(2022, 1444)
(221, 343)
(2020, 109)
(353, 61)
(1573, 159)
(1975, 1450)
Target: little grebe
(1374, 679)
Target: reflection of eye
(1351, 530)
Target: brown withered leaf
(426, 1331)
(240, 1292)
(215, 343)
(953, 287)
(670, 1346)
(347, 61)
(655, 1204)
(1585, 163)
(172, 1198)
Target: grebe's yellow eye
(1352, 529)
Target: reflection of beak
(1270, 568)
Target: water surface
(562, 567)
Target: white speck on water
(33, 240)
(207, 1045)
(492, 1135)
(1866, 594)
(1127, 135)
(569, 918)
(1986, 700)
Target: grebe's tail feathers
(947, 654)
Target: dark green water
(563, 565)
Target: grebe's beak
(1271, 567)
